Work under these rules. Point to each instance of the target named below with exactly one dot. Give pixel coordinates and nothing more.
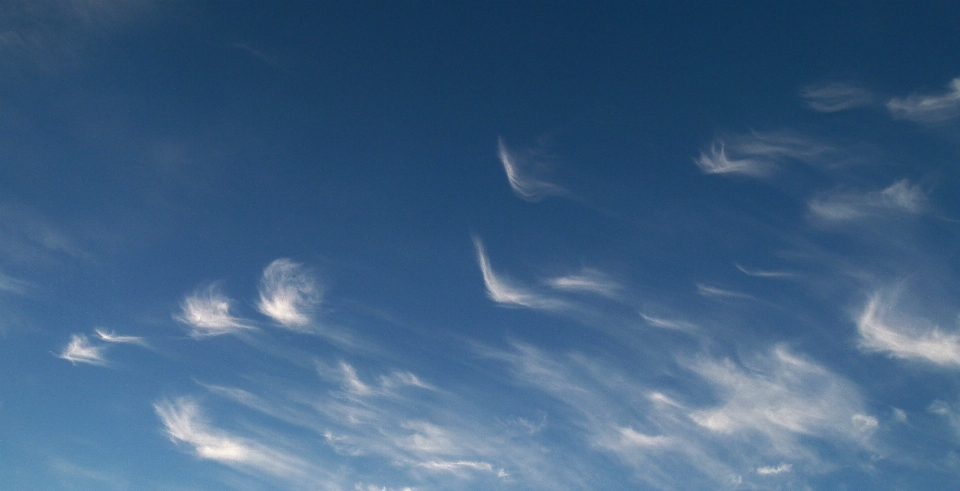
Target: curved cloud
(501, 290)
(928, 109)
(900, 197)
(884, 331)
(79, 350)
(183, 422)
(521, 175)
(288, 294)
(759, 154)
(836, 96)
(207, 312)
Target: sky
(397, 246)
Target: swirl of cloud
(288, 294)
(207, 313)
(929, 109)
(521, 175)
(79, 350)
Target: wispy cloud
(207, 313)
(79, 350)
(715, 292)
(49, 33)
(668, 323)
(457, 466)
(763, 273)
(759, 154)
(588, 280)
(900, 197)
(928, 109)
(772, 471)
(884, 330)
(836, 96)
(111, 337)
(776, 406)
(783, 397)
(13, 285)
(501, 290)
(522, 170)
(288, 294)
(184, 423)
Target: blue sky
(477, 245)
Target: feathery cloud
(79, 350)
(500, 289)
(207, 312)
(184, 422)
(884, 330)
(899, 197)
(288, 294)
(13, 285)
(777, 406)
(668, 323)
(116, 338)
(522, 172)
(715, 292)
(763, 274)
(836, 96)
(589, 280)
(928, 109)
(759, 154)
(772, 471)
(782, 397)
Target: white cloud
(764, 274)
(502, 291)
(759, 154)
(715, 161)
(588, 280)
(836, 96)
(668, 323)
(79, 350)
(712, 291)
(288, 294)
(207, 312)
(116, 338)
(884, 330)
(184, 422)
(772, 471)
(458, 465)
(631, 437)
(900, 197)
(782, 397)
(521, 172)
(13, 285)
(777, 406)
(928, 109)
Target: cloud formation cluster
(289, 295)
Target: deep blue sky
(514, 245)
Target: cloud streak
(760, 154)
(288, 294)
(928, 109)
(587, 281)
(883, 330)
(501, 289)
(207, 313)
(79, 350)
(184, 423)
(522, 170)
(836, 96)
(900, 197)
(116, 338)
(776, 406)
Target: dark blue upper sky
(479, 245)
